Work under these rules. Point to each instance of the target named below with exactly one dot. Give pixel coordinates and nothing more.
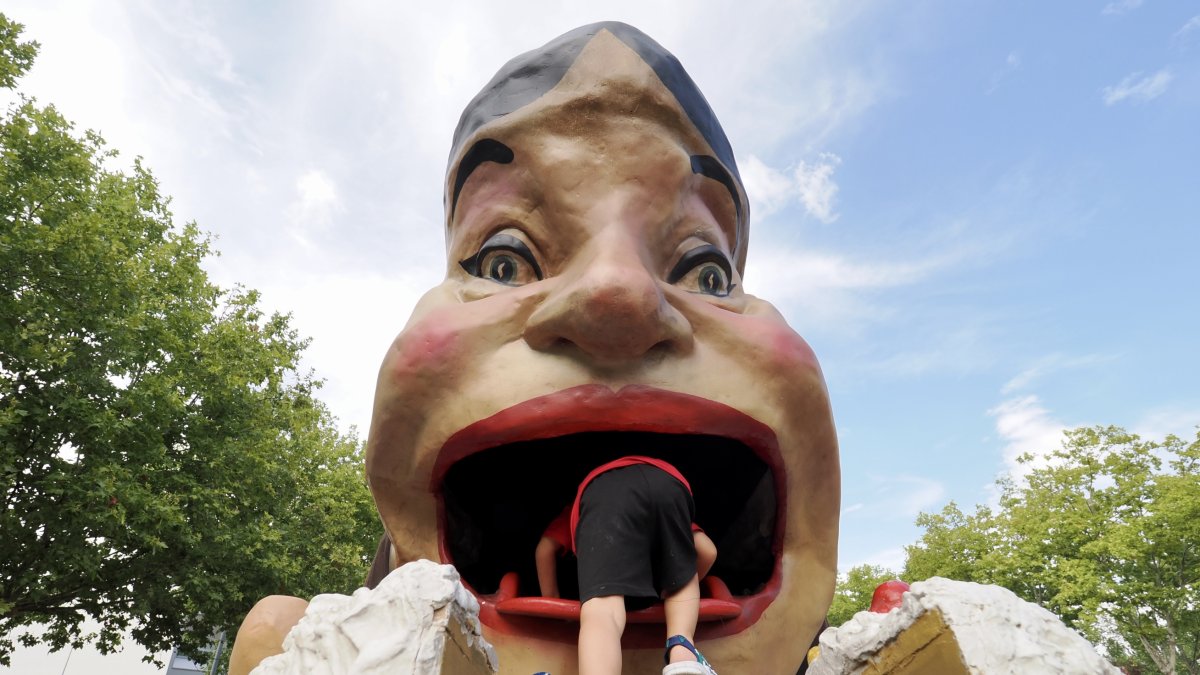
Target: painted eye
(505, 268)
(703, 270)
(504, 259)
(712, 280)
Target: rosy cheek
(429, 348)
(773, 346)
(789, 349)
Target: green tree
(163, 461)
(854, 591)
(1104, 532)
(952, 546)
(15, 56)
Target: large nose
(611, 308)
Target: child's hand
(706, 553)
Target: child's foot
(698, 667)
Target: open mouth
(500, 481)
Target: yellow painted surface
(927, 647)
(460, 657)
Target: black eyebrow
(484, 150)
(711, 167)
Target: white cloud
(1192, 25)
(1026, 426)
(816, 188)
(195, 34)
(792, 271)
(914, 494)
(770, 189)
(1050, 364)
(1156, 424)
(891, 558)
(831, 290)
(811, 183)
(351, 318)
(1011, 63)
(198, 99)
(899, 497)
(1121, 6)
(959, 349)
(316, 200)
(83, 67)
(1138, 88)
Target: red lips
(634, 408)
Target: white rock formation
(420, 620)
(995, 631)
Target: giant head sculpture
(593, 306)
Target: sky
(982, 216)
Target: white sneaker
(688, 668)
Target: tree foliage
(15, 56)
(1105, 532)
(854, 591)
(163, 461)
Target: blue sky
(981, 215)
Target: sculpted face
(593, 307)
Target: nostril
(661, 348)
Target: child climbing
(631, 527)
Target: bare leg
(601, 623)
(683, 610)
